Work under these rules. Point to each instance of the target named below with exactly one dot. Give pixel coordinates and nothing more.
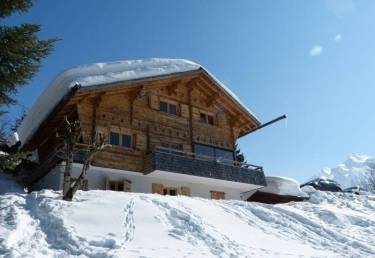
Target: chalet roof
(100, 74)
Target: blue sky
(311, 60)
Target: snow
(100, 75)
(12, 139)
(117, 224)
(308, 189)
(350, 173)
(283, 186)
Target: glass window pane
(203, 118)
(126, 140)
(224, 154)
(172, 192)
(173, 109)
(112, 186)
(210, 120)
(204, 150)
(164, 106)
(120, 186)
(114, 138)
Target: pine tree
(21, 55)
(21, 51)
(238, 154)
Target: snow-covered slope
(351, 172)
(115, 224)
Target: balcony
(192, 164)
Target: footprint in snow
(129, 221)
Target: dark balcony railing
(188, 163)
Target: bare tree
(92, 149)
(71, 136)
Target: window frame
(214, 150)
(130, 140)
(206, 118)
(173, 147)
(114, 134)
(168, 105)
(120, 140)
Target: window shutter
(215, 195)
(185, 190)
(127, 185)
(154, 102)
(157, 188)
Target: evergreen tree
(21, 51)
(238, 154)
(21, 54)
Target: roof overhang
(106, 76)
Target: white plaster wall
(143, 184)
(53, 180)
(97, 178)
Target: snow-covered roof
(283, 186)
(99, 74)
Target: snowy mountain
(351, 172)
(118, 224)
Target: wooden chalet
(172, 127)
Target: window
(173, 148)
(204, 150)
(164, 106)
(172, 109)
(170, 191)
(215, 195)
(114, 138)
(126, 140)
(168, 108)
(173, 191)
(225, 154)
(121, 185)
(206, 119)
(213, 152)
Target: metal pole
(268, 123)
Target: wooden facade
(171, 111)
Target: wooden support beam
(171, 89)
(95, 104)
(133, 95)
(136, 93)
(190, 86)
(212, 99)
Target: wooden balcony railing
(189, 163)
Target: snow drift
(117, 224)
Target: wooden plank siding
(134, 110)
